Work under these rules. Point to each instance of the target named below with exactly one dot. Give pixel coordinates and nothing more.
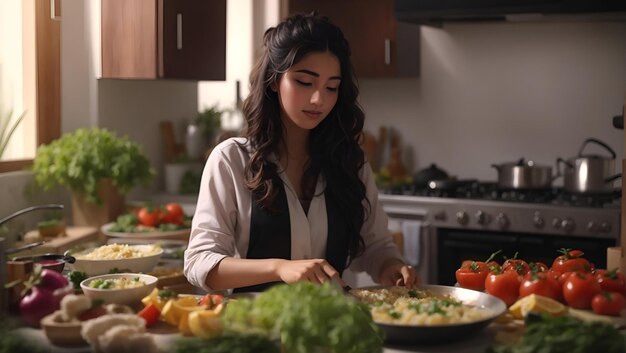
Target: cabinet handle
(179, 31)
(387, 51)
(53, 12)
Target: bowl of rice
(119, 288)
(118, 258)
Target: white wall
(496, 92)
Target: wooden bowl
(62, 333)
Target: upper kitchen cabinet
(171, 39)
(381, 46)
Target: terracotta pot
(93, 215)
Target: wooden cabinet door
(193, 37)
(128, 39)
(371, 30)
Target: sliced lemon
(538, 304)
(174, 309)
(154, 298)
(205, 323)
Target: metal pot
(524, 175)
(589, 173)
(425, 176)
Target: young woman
(294, 199)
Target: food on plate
(403, 306)
(119, 251)
(117, 283)
(64, 325)
(334, 321)
(118, 333)
(537, 304)
(169, 217)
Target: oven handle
(405, 213)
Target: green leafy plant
(7, 129)
(209, 121)
(80, 160)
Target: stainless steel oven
(479, 219)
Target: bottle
(234, 119)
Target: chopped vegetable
(565, 334)
(306, 317)
(76, 277)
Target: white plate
(156, 234)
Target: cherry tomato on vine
(541, 283)
(571, 260)
(608, 303)
(611, 281)
(173, 213)
(579, 289)
(149, 216)
(504, 285)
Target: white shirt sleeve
(379, 245)
(213, 227)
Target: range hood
(437, 11)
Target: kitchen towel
(411, 233)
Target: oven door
(453, 246)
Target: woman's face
(308, 91)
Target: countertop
(476, 344)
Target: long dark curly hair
(334, 149)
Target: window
(29, 76)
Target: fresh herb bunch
(81, 159)
(306, 317)
(567, 335)
(10, 342)
(209, 121)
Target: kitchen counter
(475, 344)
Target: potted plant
(99, 168)
(201, 132)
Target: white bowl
(132, 264)
(126, 296)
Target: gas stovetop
(483, 206)
(489, 191)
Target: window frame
(48, 76)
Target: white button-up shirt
(221, 224)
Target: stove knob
(440, 216)
(538, 221)
(462, 217)
(481, 217)
(568, 225)
(605, 227)
(592, 226)
(556, 223)
(503, 221)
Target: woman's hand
(396, 273)
(316, 271)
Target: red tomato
(564, 276)
(150, 313)
(579, 289)
(149, 216)
(472, 275)
(504, 285)
(538, 267)
(518, 265)
(173, 213)
(211, 300)
(570, 261)
(611, 281)
(608, 303)
(541, 283)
